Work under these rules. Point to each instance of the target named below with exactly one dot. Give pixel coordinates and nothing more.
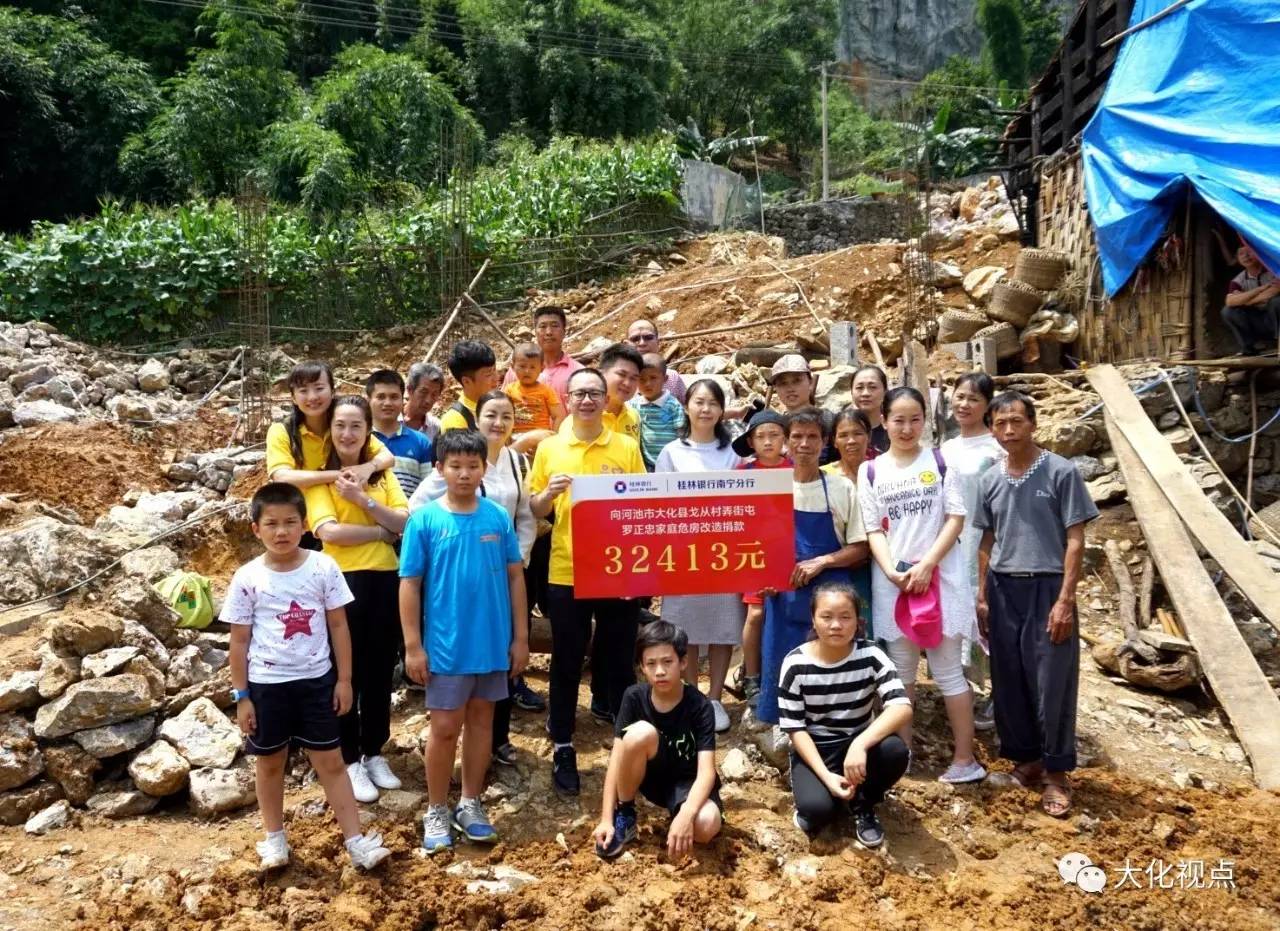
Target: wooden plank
(1238, 683)
(1068, 102)
(1215, 533)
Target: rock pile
(48, 378)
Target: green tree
(398, 121)
(1042, 30)
(67, 103)
(966, 86)
(1003, 30)
(210, 133)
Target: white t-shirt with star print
(290, 636)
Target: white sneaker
(722, 717)
(273, 852)
(380, 773)
(364, 790)
(366, 851)
(958, 774)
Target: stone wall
(826, 225)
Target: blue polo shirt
(414, 456)
(466, 603)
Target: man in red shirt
(1253, 305)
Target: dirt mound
(968, 859)
(88, 466)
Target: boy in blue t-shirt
(412, 448)
(661, 414)
(466, 635)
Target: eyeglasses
(582, 394)
(644, 338)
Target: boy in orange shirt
(538, 408)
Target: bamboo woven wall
(1151, 317)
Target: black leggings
(374, 621)
(886, 762)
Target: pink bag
(919, 617)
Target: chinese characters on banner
(682, 533)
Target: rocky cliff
(906, 38)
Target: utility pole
(826, 168)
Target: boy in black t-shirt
(665, 749)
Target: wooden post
(916, 375)
(983, 351)
(843, 338)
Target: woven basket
(956, 326)
(1006, 337)
(1014, 302)
(1041, 268)
(1269, 517)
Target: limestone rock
(97, 665)
(150, 564)
(1089, 467)
(20, 758)
(57, 815)
(95, 703)
(34, 413)
(1108, 489)
(45, 555)
(57, 673)
(121, 801)
(114, 739)
(214, 791)
(36, 375)
(979, 283)
(131, 409)
(153, 376)
(187, 667)
(72, 768)
(216, 689)
(148, 644)
(20, 804)
(85, 634)
(712, 365)
(20, 690)
(736, 767)
(1067, 439)
(970, 201)
(136, 600)
(204, 735)
(159, 770)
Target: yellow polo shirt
(315, 450)
(324, 504)
(453, 420)
(608, 454)
(626, 422)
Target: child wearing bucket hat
(921, 594)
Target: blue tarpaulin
(1192, 99)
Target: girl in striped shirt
(841, 750)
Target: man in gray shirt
(1032, 508)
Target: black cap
(741, 445)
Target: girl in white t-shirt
(713, 621)
(968, 456)
(913, 517)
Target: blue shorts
(448, 693)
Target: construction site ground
(1163, 785)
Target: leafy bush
(142, 272)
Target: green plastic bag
(190, 594)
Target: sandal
(1029, 775)
(1056, 800)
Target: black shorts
(666, 787)
(299, 712)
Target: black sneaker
(867, 827)
(564, 771)
(505, 755)
(600, 711)
(526, 698)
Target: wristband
(239, 695)
(369, 504)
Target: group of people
(393, 536)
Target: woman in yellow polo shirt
(298, 450)
(359, 524)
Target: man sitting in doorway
(1253, 305)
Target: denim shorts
(448, 693)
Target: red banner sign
(682, 533)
